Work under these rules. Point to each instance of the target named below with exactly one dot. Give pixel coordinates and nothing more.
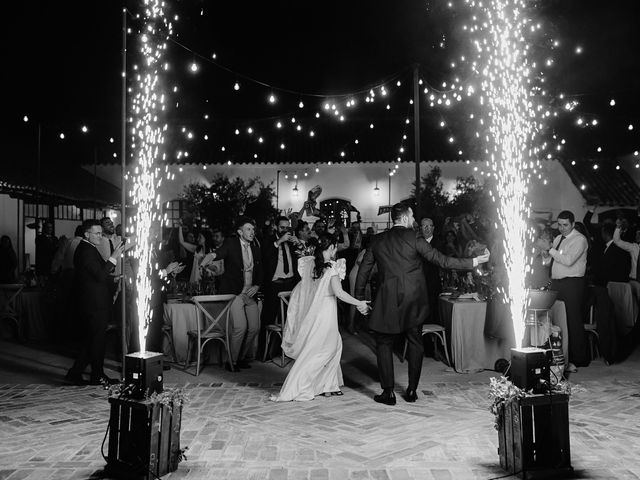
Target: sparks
(505, 71)
(147, 144)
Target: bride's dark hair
(324, 242)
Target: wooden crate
(533, 437)
(144, 439)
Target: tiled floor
(232, 431)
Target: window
(67, 212)
(173, 212)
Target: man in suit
(613, 264)
(92, 289)
(280, 267)
(401, 303)
(243, 273)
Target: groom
(401, 305)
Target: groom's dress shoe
(411, 395)
(386, 397)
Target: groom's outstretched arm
(364, 271)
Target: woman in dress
(311, 335)
(198, 250)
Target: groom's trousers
(384, 354)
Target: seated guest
(280, 267)
(243, 274)
(613, 264)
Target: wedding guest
(92, 292)
(451, 247)
(198, 250)
(46, 246)
(633, 248)
(613, 263)
(8, 261)
(539, 275)
(302, 232)
(243, 275)
(319, 228)
(431, 272)
(567, 258)
(58, 257)
(280, 268)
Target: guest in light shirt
(567, 258)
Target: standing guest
(92, 292)
(431, 273)
(280, 267)
(634, 252)
(319, 228)
(46, 246)
(58, 257)
(451, 247)
(567, 257)
(613, 264)
(302, 233)
(8, 261)
(243, 273)
(401, 304)
(198, 250)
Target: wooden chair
(277, 328)
(437, 331)
(9, 306)
(592, 332)
(206, 323)
(167, 332)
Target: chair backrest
(284, 300)
(224, 301)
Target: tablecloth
(624, 305)
(182, 317)
(471, 350)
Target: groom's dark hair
(398, 210)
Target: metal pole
(416, 136)
(123, 187)
(389, 219)
(278, 191)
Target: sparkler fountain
(147, 142)
(505, 70)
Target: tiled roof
(72, 185)
(604, 185)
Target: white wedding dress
(311, 335)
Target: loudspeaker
(143, 373)
(530, 365)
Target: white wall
(356, 182)
(10, 216)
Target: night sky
(64, 61)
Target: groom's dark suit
(402, 304)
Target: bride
(311, 335)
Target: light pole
(389, 219)
(278, 191)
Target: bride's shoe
(337, 393)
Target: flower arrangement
(502, 391)
(169, 397)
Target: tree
(433, 199)
(224, 200)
